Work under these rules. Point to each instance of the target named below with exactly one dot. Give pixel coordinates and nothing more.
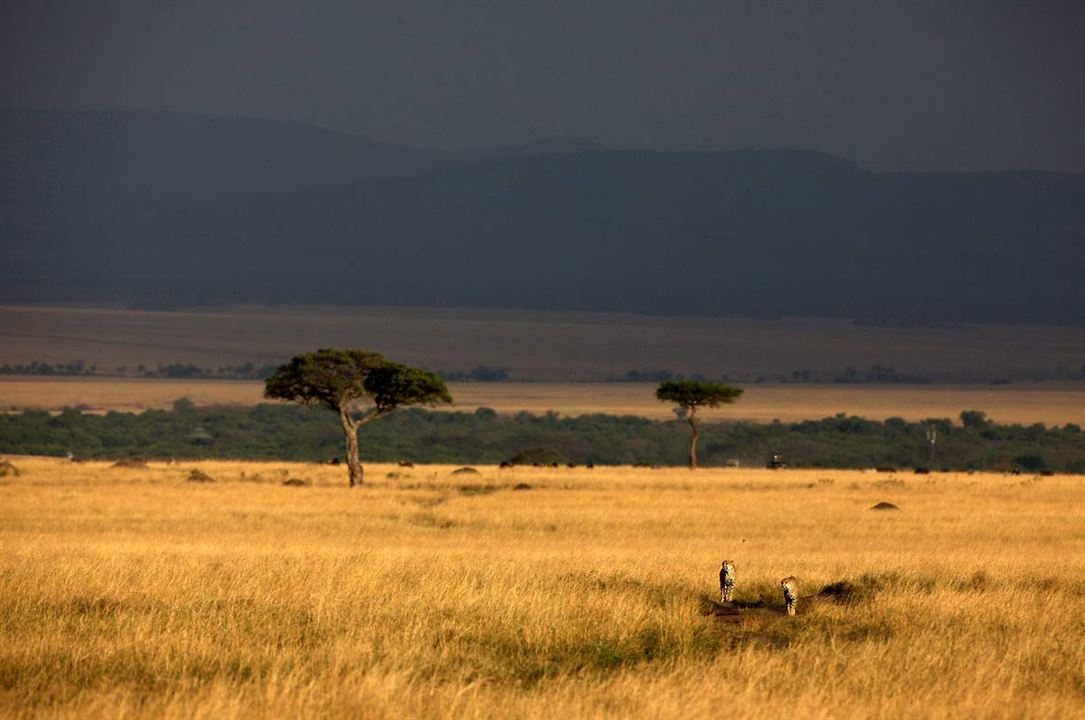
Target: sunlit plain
(1049, 403)
(588, 593)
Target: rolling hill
(160, 209)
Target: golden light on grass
(1051, 404)
(132, 592)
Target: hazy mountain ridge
(161, 208)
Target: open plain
(1048, 403)
(536, 593)
(504, 271)
(539, 345)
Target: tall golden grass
(133, 593)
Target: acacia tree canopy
(692, 394)
(327, 377)
(393, 385)
(340, 379)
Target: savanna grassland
(1049, 403)
(587, 593)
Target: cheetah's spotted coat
(791, 593)
(727, 581)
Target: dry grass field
(133, 593)
(538, 346)
(1052, 404)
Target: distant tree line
(181, 371)
(244, 371)
(76, 367)
(657, 376)
(480, 373)
(876, 374)
(285, 432)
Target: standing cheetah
(791, 593)
(727, 581)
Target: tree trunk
(350, 432)
(692, 419)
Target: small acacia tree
(693, 394)
(340, 380)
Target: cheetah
(791, 593)
(727, 581)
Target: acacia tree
(341, 380)
(692, 394)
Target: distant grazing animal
(727, 581)
(791, 593)
(406, 464)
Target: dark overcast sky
(945, 84)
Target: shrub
(538, 456)
(1032, 463)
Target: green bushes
(295, 433)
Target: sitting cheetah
(791, 593)
(727, 581)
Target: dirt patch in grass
(732, 609)
(740, 624)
